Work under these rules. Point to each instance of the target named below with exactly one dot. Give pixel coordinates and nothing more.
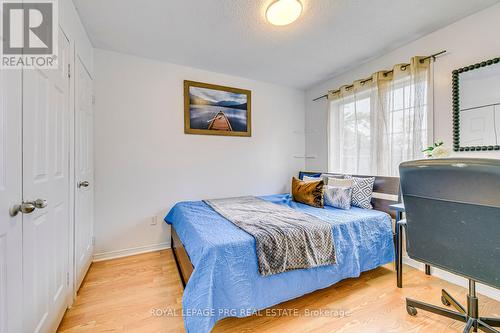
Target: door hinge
(69, 70)
(93, 241)
(67, 278)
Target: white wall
(144, 163)
(468, 41)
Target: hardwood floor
(120, 296)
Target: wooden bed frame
(184, 265)
(386, 191)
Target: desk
(399, 209)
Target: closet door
(11, 314)
(84, 171)
(46, 185)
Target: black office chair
(453, 223)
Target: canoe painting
(220, 123)
(216, 110)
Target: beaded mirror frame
(456, 106)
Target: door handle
(39, 203)
(27, 207)
(83, 184)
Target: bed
(218, 264)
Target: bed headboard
(386, 190)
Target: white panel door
(11, 295)
(46, 177)
(84, 171)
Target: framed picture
(217, 110)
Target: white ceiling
(233, 37)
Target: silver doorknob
(27, 207)
(39, 203)
(83, 184)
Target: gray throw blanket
(286, 239)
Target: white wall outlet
(153, 220)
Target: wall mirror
(476, 107)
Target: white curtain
(351, 145)
(376, 124)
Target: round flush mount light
(283, 12)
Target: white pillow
(338, 182)
(308, 179)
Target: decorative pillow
(327, 176)
(302, 175)
(309, 179)
(337, 182)
(309, 193)
(362, 190)
(338, 197)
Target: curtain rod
(433, 56)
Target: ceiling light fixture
(283, 12)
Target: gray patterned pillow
(362, 190)
(338, 197)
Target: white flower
(440, 152)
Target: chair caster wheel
(445, 301)
(411, 310)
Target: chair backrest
(453, 215)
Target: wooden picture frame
(211, 109)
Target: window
(351, 135)
(372, 131)
(408, 131)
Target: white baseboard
(130, 252)
(455, 279)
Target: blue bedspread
(226, 281)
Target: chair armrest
(402, 222)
